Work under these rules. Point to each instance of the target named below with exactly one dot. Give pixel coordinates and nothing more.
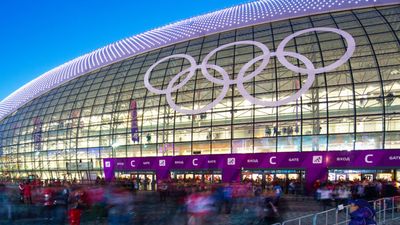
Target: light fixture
(115, 145)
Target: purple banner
(37, 134)
(316, 164)
(1, 143)
(134, 122)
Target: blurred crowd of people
(193, 200)
(116, 202)
(342, 191)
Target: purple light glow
(248, 14)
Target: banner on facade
(134, 122)
(1, 143)
(37, 134)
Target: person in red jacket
(80, 201)
(28, 193)
(48, 202)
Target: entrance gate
(266, 178)
(363, 174)
(145, 180)
(205, 176)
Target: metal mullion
(133, 89)
(69, 130)
(174, 112)
(380, 79)
(301, 99)
(194, 97)
(112, 113)
(144, 100)
(175, 116)
(254, 93)
(232, 93)
(276, 92)
(118, 99)
(47, 141)
(113, 118)
(159, 104)
(379, 71)
(353, 86)
(326, 91)
(212, 97)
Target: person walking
(28, 193)
(5, 205)
(48, 203)
(277, 192)
(79, 203)
(60, 206)
(21, 192)
(325, 196)
(163, 191)
(361, 213)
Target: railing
(307, 219)
(387, 209)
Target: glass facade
(67, 131)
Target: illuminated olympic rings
(281, 55)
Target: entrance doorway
(143, 180)
(335, 175)
(291, 181)
(197, 176)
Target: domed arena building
(270, 89)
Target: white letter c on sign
(272, 160)
(367, 160)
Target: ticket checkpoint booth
(269, 177)
(205, 176)
(356, 174)
(146, 180)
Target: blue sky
(37, 36)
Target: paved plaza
(149, 210)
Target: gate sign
(315, 164)
(334, 159)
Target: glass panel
(349, 108)
(242, 146)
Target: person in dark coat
(361, 213)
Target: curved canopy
(243, 15)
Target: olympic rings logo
(280, 53)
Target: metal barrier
(387, 209)
(332, 217)
(304, 220)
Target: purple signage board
(316, 164)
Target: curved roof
(261, 11)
